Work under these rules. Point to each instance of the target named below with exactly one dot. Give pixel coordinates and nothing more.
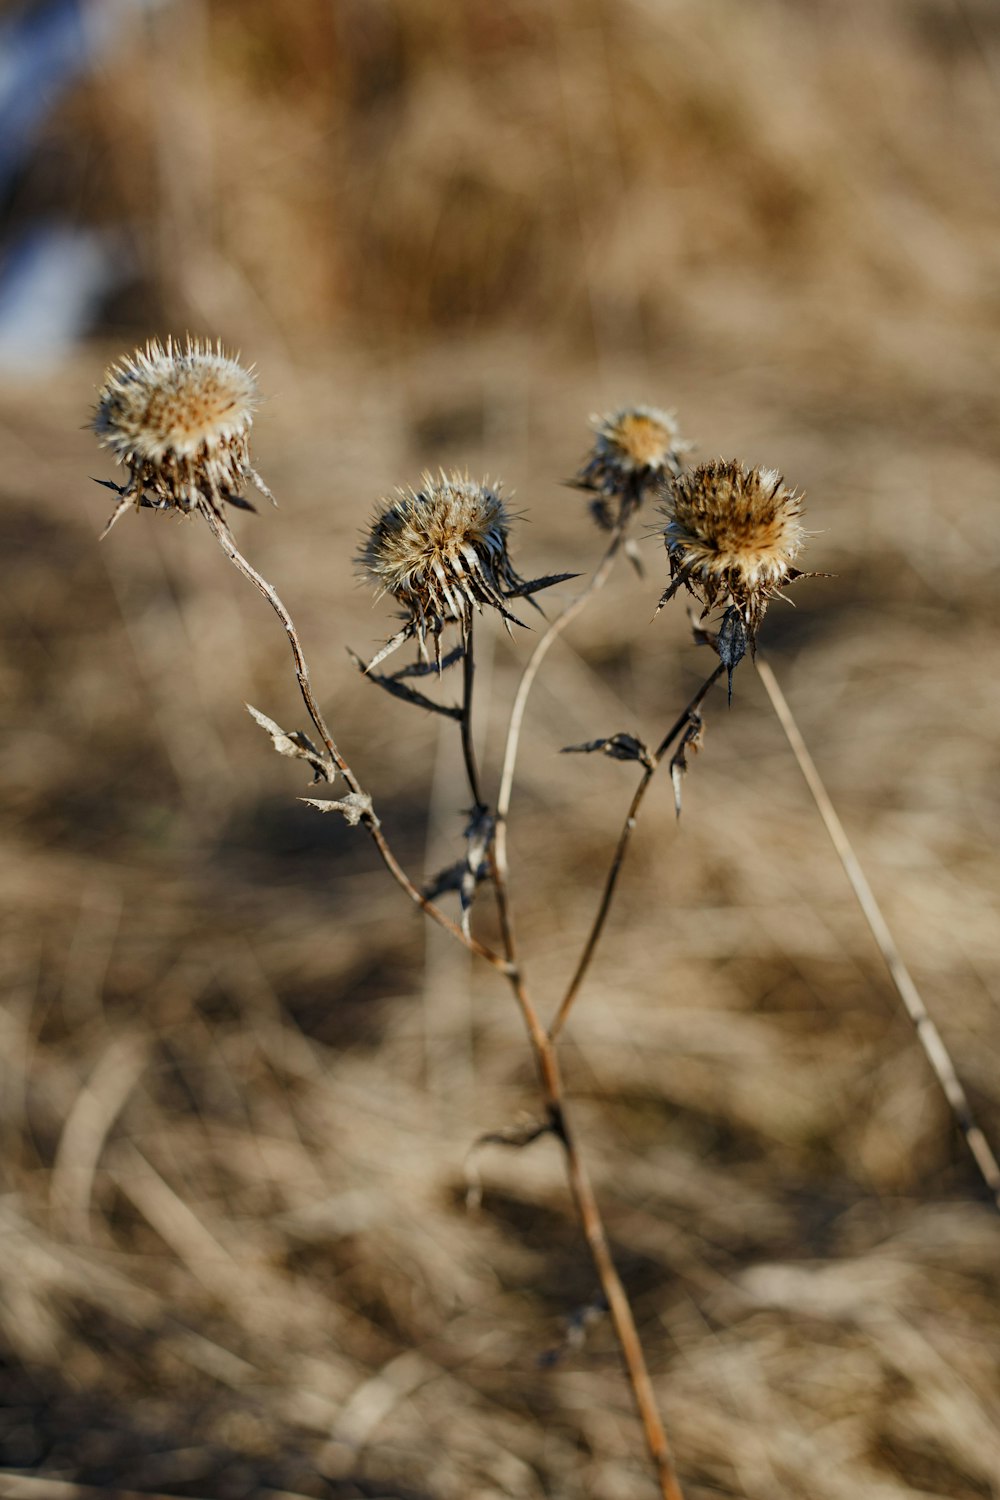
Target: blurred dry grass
(239, 1080)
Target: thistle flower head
(178, 419)
(732, 535)
(634, 449)
(441, 551)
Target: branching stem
(566, 616)
(542, 1044)
(618, 859)
(622, 1318)
(553, 1095)
(226, 541)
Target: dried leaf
(426, 668)
(524, 589)
(448, 879)
(678, 581)
(617, 746)
(392, 644)
(678, 767)
(732, 643)
(397, 689)
(128, 499)
(693, 738)
(527, 590)
(127, 494)
(466, 875)
(600, 509)
(514, 1137)
(355, 806)
(296, 745)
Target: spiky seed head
(732, 535)
(634, 449)
(441, 551)
(178, 419)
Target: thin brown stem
(618, 858)
(553, 1095)
(927, 1033)
(543, 1050)
(226, 541)
(589, 1214)
(545, 642)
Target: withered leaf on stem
(428, 668)
(693, 736)
(515, 1137)
(391, 684)
(355, 806)
(526, 589)
(617, 746)
(731, 643)
(465, 875)
(296, 745)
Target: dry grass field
(240, 1081)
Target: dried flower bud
(179, 421)
(634, 450)
(731, 535)
(440, 551)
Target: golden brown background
(240, 1080)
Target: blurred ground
(240, 1081)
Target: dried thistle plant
(178, 419)
(732, 535)
(635, 449)
(441, 553)
(179, 422)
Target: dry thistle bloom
(179, 421)
(441, 551)
(634, 449)
(732, 534)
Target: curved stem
(562, 620)
(927, 1033)
(225, 539)
(621, 848)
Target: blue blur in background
(53, 273)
